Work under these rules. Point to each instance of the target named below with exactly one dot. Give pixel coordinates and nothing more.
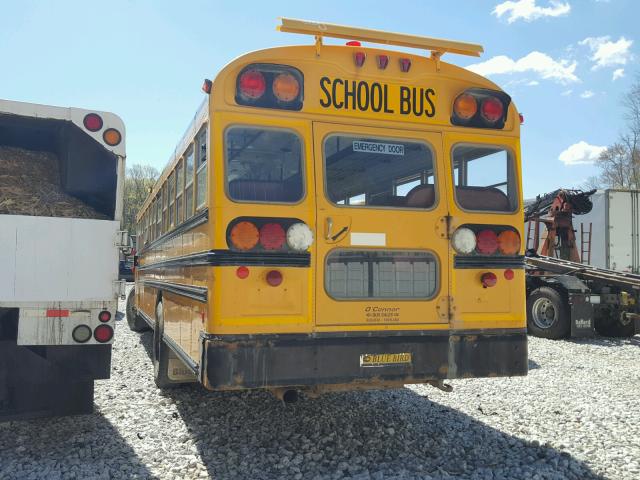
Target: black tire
(615, 328)
(548, 314)
(136, 323)
(160, 352)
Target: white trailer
(615, 230)
(59, 275)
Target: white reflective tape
(369, 239)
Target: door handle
(329, 228)
(330, 236)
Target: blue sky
(566, 63)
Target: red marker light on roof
(354, 43)
(383, 61)
(359, 58)
(405, 64)
(521, 118)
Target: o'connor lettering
(363, 96)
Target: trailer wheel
(136, 323)
(160, 352)
(548, 314)
(619, 327)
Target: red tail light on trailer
(103, 333)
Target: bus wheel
(160, 352)
(548, 314)
(136, 323)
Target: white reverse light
(299, 237)
(463, 240)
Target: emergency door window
(364, 274)
(263, 165)
(484, 178)
(375, 172)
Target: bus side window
(201, 168)
(165, 201)
(188, 181)
(172, 198)
(179, 192)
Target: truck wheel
(616, 328)
(160, 352)
(136, 323)
(548, 314)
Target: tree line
(619, 164)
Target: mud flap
(582, 324)
(49, 381)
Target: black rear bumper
(261, 361)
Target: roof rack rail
(437, 46)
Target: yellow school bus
(338, 217)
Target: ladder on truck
(627, 281)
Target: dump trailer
(61, 180)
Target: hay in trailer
(30, 185)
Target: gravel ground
(577, 416)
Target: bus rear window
(484, 178)
(361, 274)
(365, 171)
(263, 165)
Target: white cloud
(587, 94)
(618, 73)
(527, 10)
(606, 53)
(581, 153)
(533, 83)
(566, 93)
(559, 70)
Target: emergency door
(381, 228)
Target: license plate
(384, 359)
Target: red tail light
(359, 58)
(508, 274)
(104, 316)
(103, 333)
(491, 109)
(489, 279)
(92, 122)
(487, 242)
(274, 278)
(272, 236)
(252, 85)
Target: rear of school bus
(366, 234)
